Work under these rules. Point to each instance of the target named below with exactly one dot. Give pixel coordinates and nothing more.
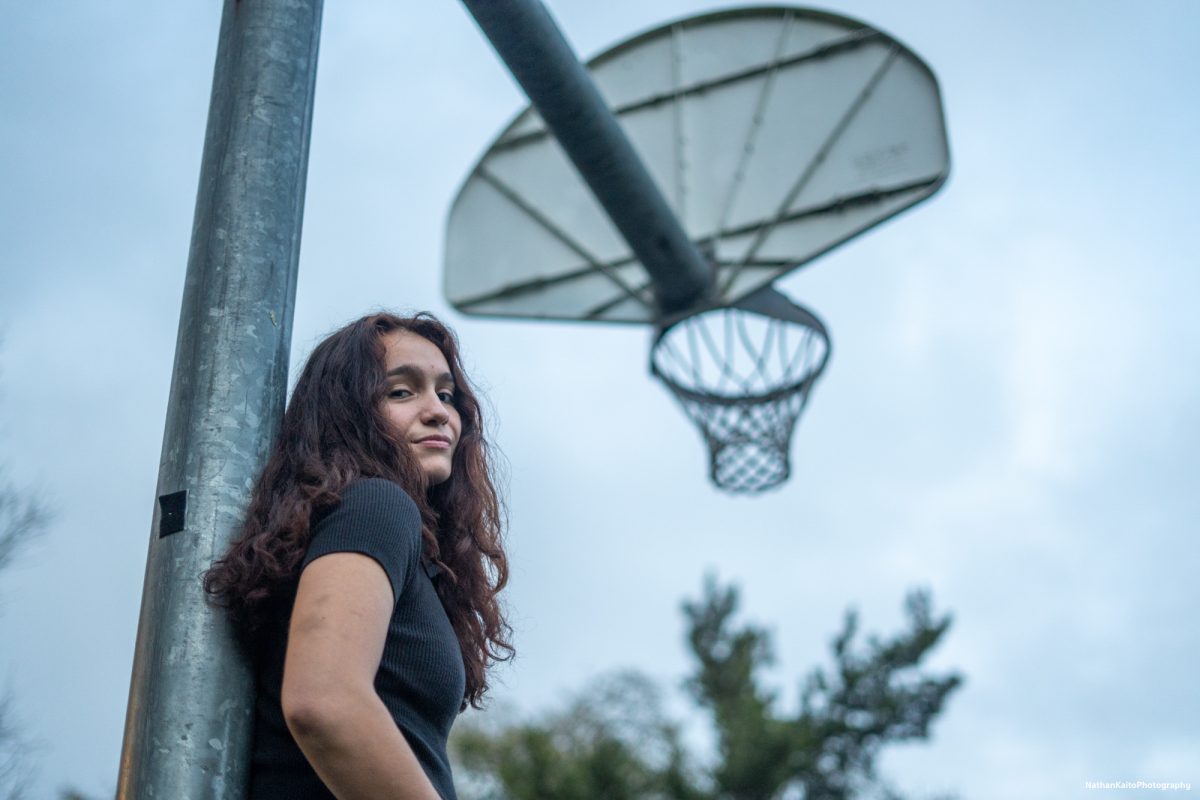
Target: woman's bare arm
(339, 625)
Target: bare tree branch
(22, 519)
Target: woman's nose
(434, 410)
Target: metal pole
(189, 725)
(539, 57)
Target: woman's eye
(446, 397)
(399, 393)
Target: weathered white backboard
(775, 133)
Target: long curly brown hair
(334, 431)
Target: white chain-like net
(744, 379)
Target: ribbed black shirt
(420, 679)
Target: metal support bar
(539, 57)
(189, 724)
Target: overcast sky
(1010, 417)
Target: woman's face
(420, 401)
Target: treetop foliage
(615, 742)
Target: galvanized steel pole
(189, 724)
(539, 57)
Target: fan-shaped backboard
(775, 134)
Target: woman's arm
(339, 625)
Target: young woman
(364, 582)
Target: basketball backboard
(775, 134)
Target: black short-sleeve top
(420, 678)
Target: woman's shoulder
(377, 518)
(375, 509)
(380, 493)
(376, 504)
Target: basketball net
(743, 375)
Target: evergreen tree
(615, 742)
(873, 696)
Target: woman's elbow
(305, 714)
(315, 717)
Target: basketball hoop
(743, 375)
(773, 135)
